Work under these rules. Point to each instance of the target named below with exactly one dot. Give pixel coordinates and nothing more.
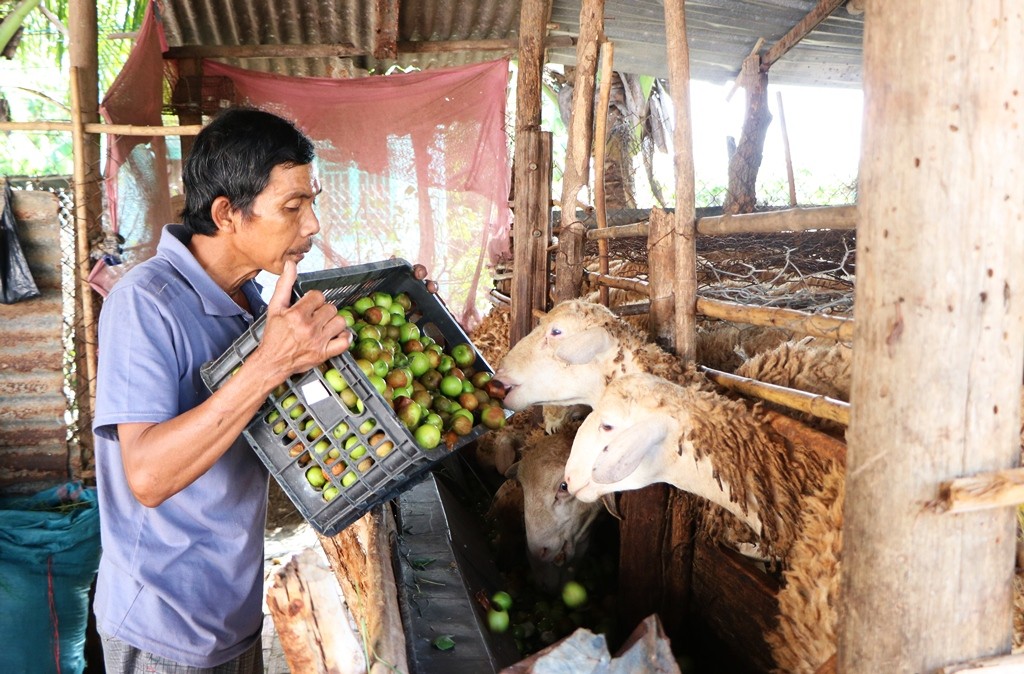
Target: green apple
(335, 380)
(418, 363)
(463, 354)
(497, 620)
(573, 594)
(427, 436)
(382, 299)
(315, 477)
(451, 386)
(502, 599)
(330, 493)
(362, 304)
(348, 479)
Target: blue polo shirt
(183, 580)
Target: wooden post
(661, 274)
(785, 148)
(657, 532)
(581, 121)
(601, 133)
(526, 296)
(191, 68)
(745, 163)
(685, 237)
(533, 230)
(937, 355)
(569, 260)
(88, 206)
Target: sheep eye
(605, 427)
(563, 487)
(555, 332)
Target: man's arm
(161, 459)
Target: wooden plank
(937, 356)
(818, 325)
(798, 32)
(998, 489)
(798, 219)
(737, 601)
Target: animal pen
(933, 442)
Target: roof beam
(385, 37)
(798, 32)
(346, 49)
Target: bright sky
(824, 128)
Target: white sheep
(646, 430)
(534, 500)
(575, 350)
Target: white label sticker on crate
(314, 392)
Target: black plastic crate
(369, 456)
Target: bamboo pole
(600, 146)
(119, 129)
(638, 229)
(83, 261)
(635, 285)
(785, 148)
(817, 325)
(998, 489)
(818, 405)
(789, 220)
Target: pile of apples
(437, 394)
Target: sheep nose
(496, 388)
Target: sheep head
(557, 525)
(563, 360)
(627, 442)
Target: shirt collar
(173, 247)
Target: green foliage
(35, 82)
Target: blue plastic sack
(49, 553)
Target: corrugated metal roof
(721, 33)
(33, 434)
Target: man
(182, 497)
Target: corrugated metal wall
(33, 445)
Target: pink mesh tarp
(413, 165)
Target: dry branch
(998, 489)
(638, 229)
(818, 405)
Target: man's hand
(301, 336)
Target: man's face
(282, 223)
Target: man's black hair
(233, 157)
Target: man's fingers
(339, 344)
(281, 299)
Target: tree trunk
(746, 161)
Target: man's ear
(224, 215)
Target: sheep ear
(610, 504)
(617, 462)
(512, 472)
(584, 347)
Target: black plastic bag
(16, 282)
